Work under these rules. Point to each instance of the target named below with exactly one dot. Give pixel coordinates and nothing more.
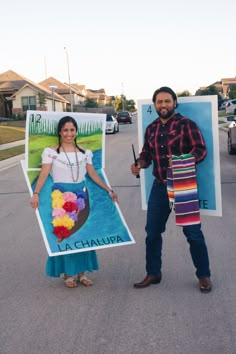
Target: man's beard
(167, 115)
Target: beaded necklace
(70, 164)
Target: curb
(12, 144)
(12, 161)
(224, 129)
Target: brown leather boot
(205, 284)
(147, 281)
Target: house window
(28, 103)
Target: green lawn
(37, 143)
(13, 123)
(6, 154)
(221, 114)
(9, 134)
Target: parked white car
(222, 104)
(231, 107)
(232, 135)
(112, 126)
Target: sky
(128, 46)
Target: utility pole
(68, 69)
(123, 97)
(45, 68)
(53, 88)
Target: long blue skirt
(72, 264)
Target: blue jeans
(157, 216)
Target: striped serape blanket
(182, 190)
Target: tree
(184, 93)
(41, 99)
(90, 103)
(118, 103)
(211, 90)
(123, 104)
(130, 105)
(232, 92)
(111, 102)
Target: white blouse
(62, 170)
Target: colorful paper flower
(69, 197)
(66, 207)
(80, 203)
(73, 215)
(61, 232)
(56, 194)
(70, 206)
(81, 194)
(59, 187)
(58, 212)
(63, 221)
(57, 203)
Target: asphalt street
(39, 315)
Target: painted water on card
(103, 227)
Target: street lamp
(122, 97)
(53, 87)
(68, 69)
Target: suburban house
(99, 96)
(223, 86)
(77, 93)
(80, 88)
(69, 92)
(227, 85)
(19, 94)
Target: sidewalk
(223, 127)
(5, 164)
(12, 144)
(11, 162)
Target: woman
(68, 164)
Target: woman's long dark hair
(61, 123)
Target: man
(170, 134)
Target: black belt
(164, 181)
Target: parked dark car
(124, 117)
(232, 135)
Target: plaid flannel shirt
(178, 136)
